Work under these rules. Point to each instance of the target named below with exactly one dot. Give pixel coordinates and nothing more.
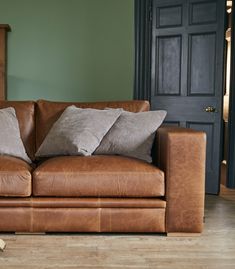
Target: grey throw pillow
(132, 135)
(10, 140)
(77, 132)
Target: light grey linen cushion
(132, 135)
(10, 141)
(77, 132)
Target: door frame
(231, 119)
(143, 36)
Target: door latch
(210, 109)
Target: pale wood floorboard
(215, 249)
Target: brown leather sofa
(102, 193)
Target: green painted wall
(70, 49)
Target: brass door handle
(210, 109)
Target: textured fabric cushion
(78, 132)
(49, 112)
(15, 177)
(25, 113)
(132, 135)
(97, 176)
(10, 140)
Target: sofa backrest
(48, 112)
(25, 112)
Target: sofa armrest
(181, 155)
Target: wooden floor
(215, 249)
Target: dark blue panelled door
(187, 70)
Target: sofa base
(105, 215)
(30, 233)
(82, 220)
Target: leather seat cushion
(15, 177)
(97, 176)
(87, 202)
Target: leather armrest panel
(182, 155)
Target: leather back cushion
(48, 112)
(25, 112)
